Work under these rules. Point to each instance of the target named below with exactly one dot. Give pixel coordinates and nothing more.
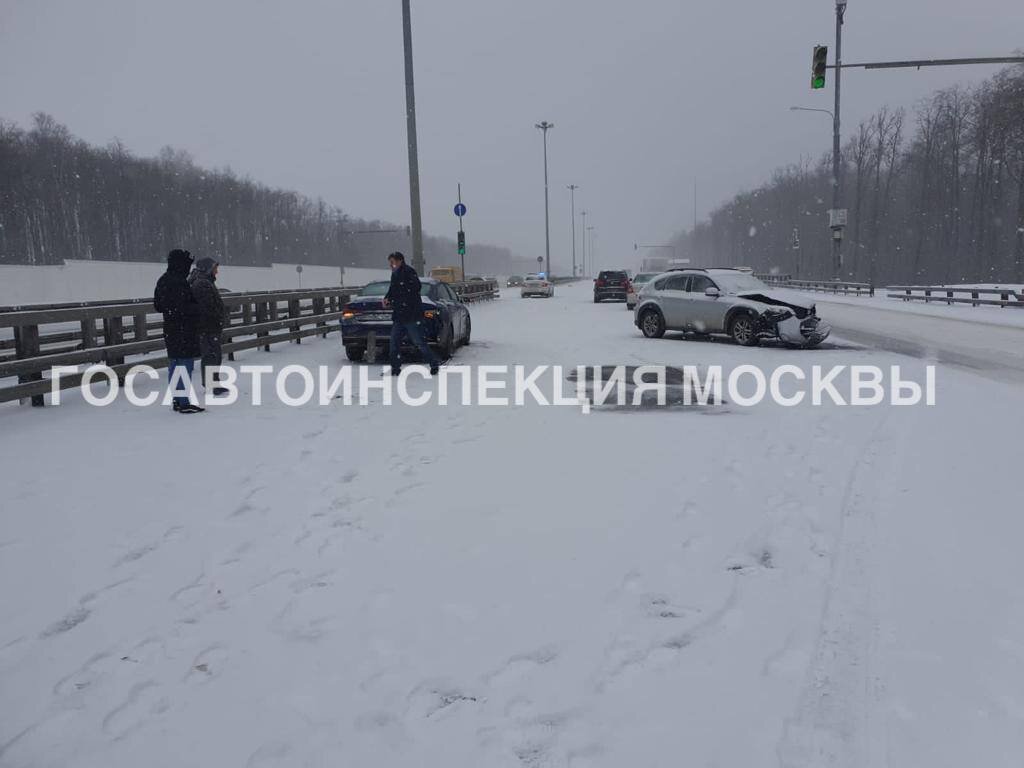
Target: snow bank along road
(474, 586)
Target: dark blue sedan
(446, 323)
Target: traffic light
(462, 243)
(818, 65)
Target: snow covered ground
(481, 586)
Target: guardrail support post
(88, 333)
(318, 309)
(26, 344)
(141, 331)
(261, 317)
(113, 333)
(293, 312)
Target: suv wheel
(355, 354)
(743, 330)
(652, 324)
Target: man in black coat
(211, 318)
(173, 298)
(403, 297)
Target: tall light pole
(572, 218)
(837, 181)
(544, 125)
(583, 214)
(410, 125)
(593, 253)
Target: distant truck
(654, 264)
(447, 274)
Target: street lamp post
(410, 124)
(572, 218)
(583, 214)
(544, 126)
(593, 253)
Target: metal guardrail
(109, 332)
(1008, 297)
(819, 286)
(475, 290)
(257, 319)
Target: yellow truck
(447, 274)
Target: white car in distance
(535, 285)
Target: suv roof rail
(687, 269)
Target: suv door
(674, 301)
(707, 313)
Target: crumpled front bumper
(802, 333)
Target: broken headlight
(776, 314)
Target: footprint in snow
(522, 664)
(142, 705)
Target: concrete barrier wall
(364, 275)
(99, 280)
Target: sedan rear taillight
(599, 283)
(348, 312)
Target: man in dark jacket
(173, 298)
(211, 318)
(403, 297)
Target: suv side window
(676, 283)
(451, 294)
(698, 283)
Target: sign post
(460, 211)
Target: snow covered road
(989, 342)
(482, 586)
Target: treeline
(61, 198)
(933, 197)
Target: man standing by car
(211, 319)
(403, 297)
(173, 298)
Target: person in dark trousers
(403, 297)
(173, 298)
(211, 319)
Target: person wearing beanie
(212, 319)
(173, 299)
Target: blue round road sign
(460, 209)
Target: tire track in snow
(832, 725)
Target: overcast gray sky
(646, 96)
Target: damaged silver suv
(725, 301)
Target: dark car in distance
(611, 284)
(446, 321)
(515, 281)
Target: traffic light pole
(837, 233)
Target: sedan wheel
(742, 330)
(449, 343)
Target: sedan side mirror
(712, 292)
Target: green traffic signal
(819, 64)
(462, 243)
